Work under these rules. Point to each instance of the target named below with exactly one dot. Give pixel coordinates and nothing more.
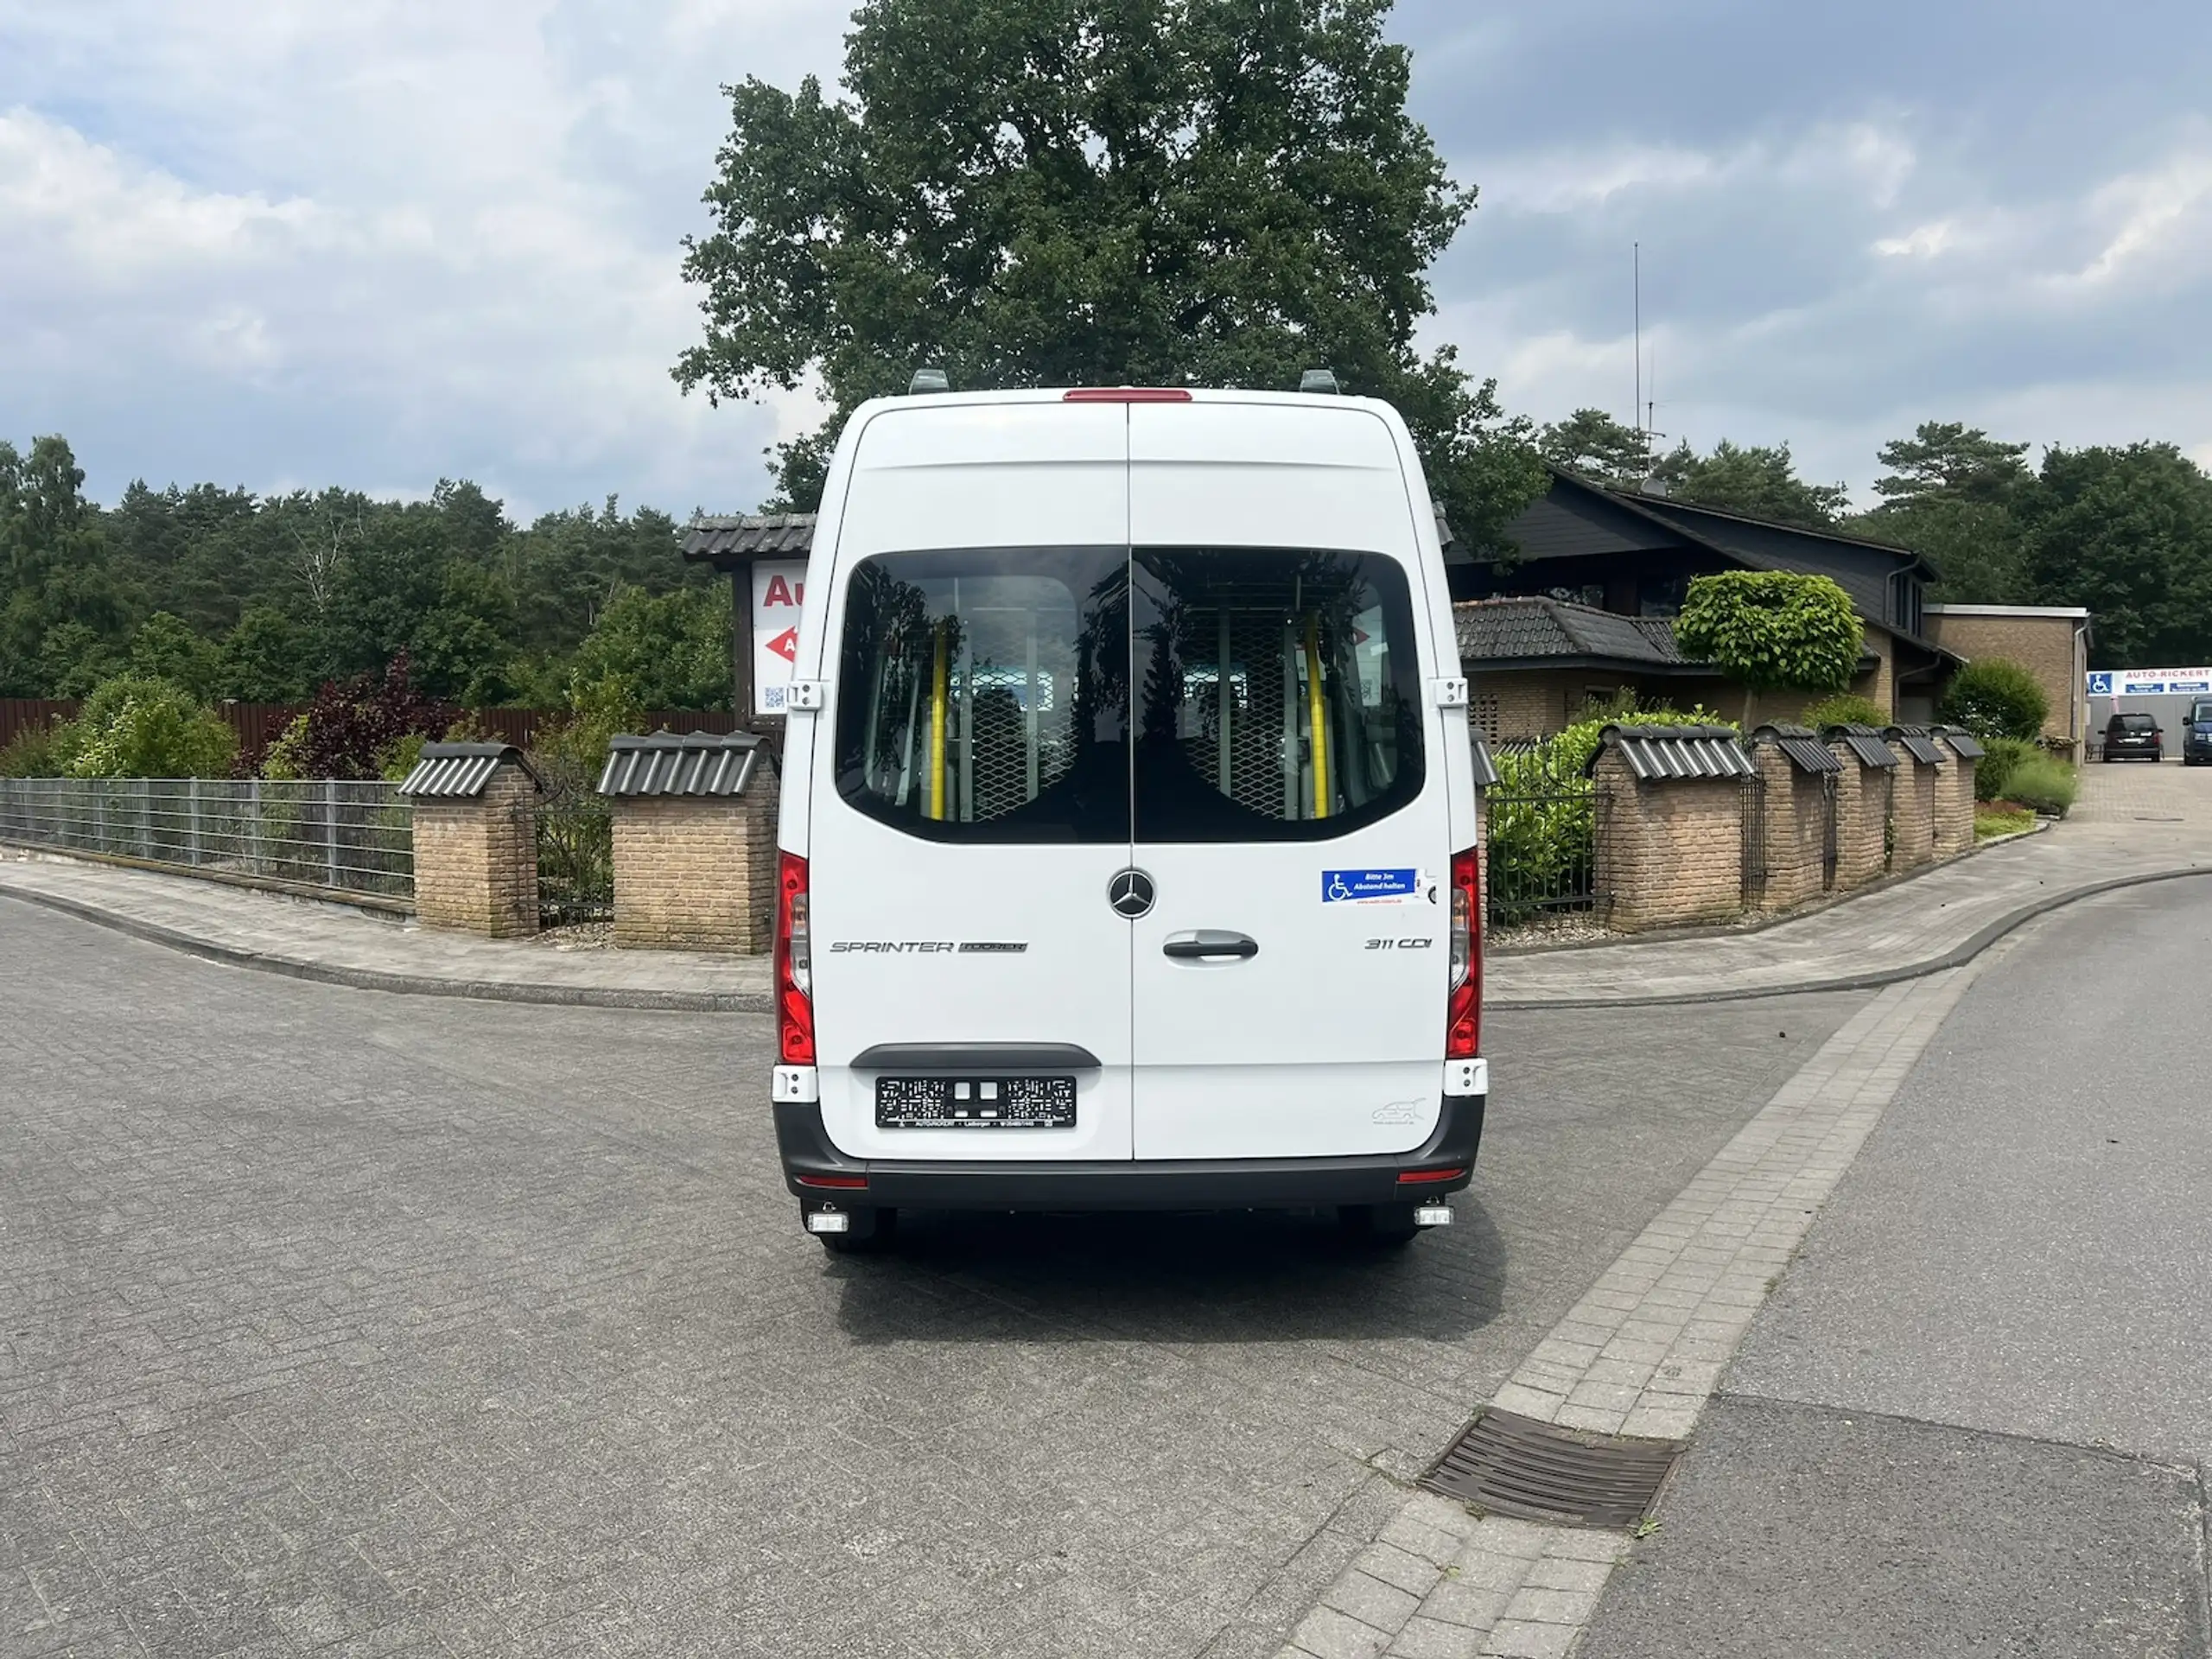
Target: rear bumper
(1210, 1184)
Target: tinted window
(2133, 722)
(984, 695)
(1280, 693)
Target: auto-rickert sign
(779, 588)
(2148, 682)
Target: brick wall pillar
(1912, 813)
(1955, 807)
(476, 855)
(1796, 825)
(696, 873)
(1666, 853)
(1861, 808)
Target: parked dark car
(2196, 733)
(2135, 736)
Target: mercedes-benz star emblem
(1130, 893)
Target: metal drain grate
(1539, 1471)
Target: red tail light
(1462, 1024)
(794, 963)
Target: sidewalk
(2133, 823)
(340, 946)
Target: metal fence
(1543, 825)
(343, 835)
(576, 850)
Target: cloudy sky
(288, 242)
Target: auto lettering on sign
(778, 590)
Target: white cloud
(1866, 158)
(2162, 213)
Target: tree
(1052, 191)
(670, 652)
(350, 730)
(266, 658)
(2128, 533)
(1950, 459)
(164, 648)
(1993, 698)
(1772, 630)
(1952, 494)
(1757, 481)
(59, 607)
(1592, 442)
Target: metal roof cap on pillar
(1805, 751)
(1865, 742)
(698, 764)
(459, 772)
(1917, 742)
(1485, 764)
(1664, 753)
(1964, 743)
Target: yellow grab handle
(936, 723)
(1314, 704)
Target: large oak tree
(1094, 191)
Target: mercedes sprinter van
(1128, 847)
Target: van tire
(1380, 1224)
(872, 1232)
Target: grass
(2001, 818)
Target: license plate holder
(975, 1102)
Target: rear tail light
(1463, 1033)
(794, 963)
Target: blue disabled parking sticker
(1369, 886)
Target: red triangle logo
(785, 645)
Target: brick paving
(1638, 1355)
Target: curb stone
(371, 979)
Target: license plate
(975, 1102)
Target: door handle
(1209, 944)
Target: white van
(1127, 843)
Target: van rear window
(988, 694)
(1281, 693)
(983, 694)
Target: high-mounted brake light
(1463, 1019)
(794, 965)
(1127, 395)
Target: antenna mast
(1636, 410)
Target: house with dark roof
(1583, 613)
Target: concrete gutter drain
(1516, 1466)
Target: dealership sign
(2149, 682)
(778, 586)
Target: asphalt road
(341, 1321)
(1976, 1415)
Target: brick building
(2050, 641)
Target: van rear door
(1290, 800)
(971, 780)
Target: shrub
(133, 726)
(1992, 697)
(352, 730)
(2046, 785)
(45, 752)
(1846, 709)
(1993, 772)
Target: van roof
(1197, 394)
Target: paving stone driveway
(343, 1322)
